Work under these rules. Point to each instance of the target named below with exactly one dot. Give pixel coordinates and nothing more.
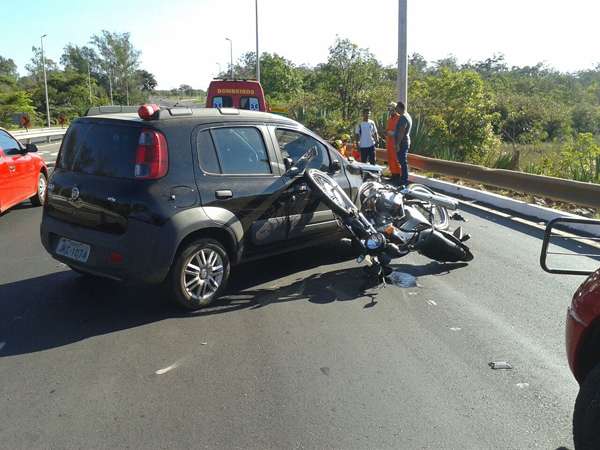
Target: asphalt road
(296, 356)
(49, 152)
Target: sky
(183, 41)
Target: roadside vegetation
(530, 118)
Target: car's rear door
(308, 215)
(93, 184)
(237, 173)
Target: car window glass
(8, 145)
(241, 150)
(294, 144)
(250, 103)
(222, 102)
(100, 149)
(207, 156)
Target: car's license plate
(73, 249)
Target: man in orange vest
(390, 143)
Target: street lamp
(90, 82)
(402, 81)
(45, 80)
(257, 52)
(230, 55)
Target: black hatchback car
(180, 195)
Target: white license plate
(73, 249)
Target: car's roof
(200, 115)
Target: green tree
(8, 68)
(347, 76)
(119, 60)
(456, 112)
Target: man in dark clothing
(402, 137)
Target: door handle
(223, 194)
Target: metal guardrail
(38, 134)
(575, 192)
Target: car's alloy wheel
(38, 198)
(199, 273)
(203, 274)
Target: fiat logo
(74, 193)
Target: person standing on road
(390, 143)
(367, 137)
(402, 138)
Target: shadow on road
(62, 308)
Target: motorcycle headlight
(375, 241)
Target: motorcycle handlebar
(435, 199)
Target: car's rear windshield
(100, 149)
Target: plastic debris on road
(500, 365)
(167, 369)
(455, 328)
(401, 279)
(522, 385)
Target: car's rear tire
(199, 273)
(586, 417)
(38, 198)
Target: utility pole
(230, 56)
(257, 52)
(45, 81)
(90, 82)
(402, 81)
(110, 85)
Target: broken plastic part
(403, 280)
(500, 365)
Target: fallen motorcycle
(391, 222)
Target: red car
(23, 174)
(582, 325)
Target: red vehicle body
(582, 340)
(23, 174)
(242, 94)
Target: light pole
(257, 52)
(402, 80)
(230, 56)
(45, 81)
(90, 82)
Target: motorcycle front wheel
(331, 193)
(437, 215)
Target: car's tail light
(151, 156)
(148, 112)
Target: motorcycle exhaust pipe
(440, 200)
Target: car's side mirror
(31, 148)
(570, 246)
(335, 166)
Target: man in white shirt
(366, 137)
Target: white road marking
(455, 328)
(167, 369)
(522, 385)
